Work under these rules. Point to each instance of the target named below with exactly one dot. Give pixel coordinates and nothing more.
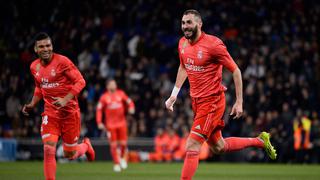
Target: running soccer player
(57, 82)
(113, 105)
(202, 57)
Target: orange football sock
(123, 149)
(190, 165)
(114, 153)
(49, 162)
(235, 143)
(80, 150)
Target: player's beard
(194, 32)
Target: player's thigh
(50, 129)
(208, 116)
(122, 134)
(71, 127)
(112, 135)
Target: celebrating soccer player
(202, 57)
(57, 82)
(114, 103)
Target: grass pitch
(160, 171)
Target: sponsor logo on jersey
(198, 127)
(49, 85)
(115, 105)
(192, 67)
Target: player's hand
(170, 102)
(101, 127)
(27, 108)
(59, 102)
(237, 110)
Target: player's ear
(35, 49)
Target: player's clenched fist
(169, 102)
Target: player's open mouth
(47, 54)
(187, 33)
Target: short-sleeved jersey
(203, 61)
(57, 79)
(114, 106)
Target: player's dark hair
(109, 80)
(40, 36)
(194, 12)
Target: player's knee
(113, 145)
(193, 145)
(70, 150)
(217, 149)
(123, 143)
(49, 150)
(50, 143)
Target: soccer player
(114, 104)
(202, 57)
(57, 82)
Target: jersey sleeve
(72, 73)
(127, 100)
(37, 90)
(99, 110)
(179, 52)
(222, 56)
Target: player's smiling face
(44, 49)
(190, 26)
(112, 86)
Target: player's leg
(70, 135)
(191, 160)
(112, 137)
(123, 138)
(205, 115)
(49, 134)
(220, 145)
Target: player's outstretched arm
(181, 77)
(237, 108)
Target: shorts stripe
(208, 123)
(45, 136)
(70, 145)
(198, 134)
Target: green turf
(163, 171)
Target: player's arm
(237, 108)
(181, 77)
(75, 76)
(224, 58)
(129, 103)
(99, 113)
(37, 96)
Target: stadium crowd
(275, 44)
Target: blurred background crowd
(275, 43)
